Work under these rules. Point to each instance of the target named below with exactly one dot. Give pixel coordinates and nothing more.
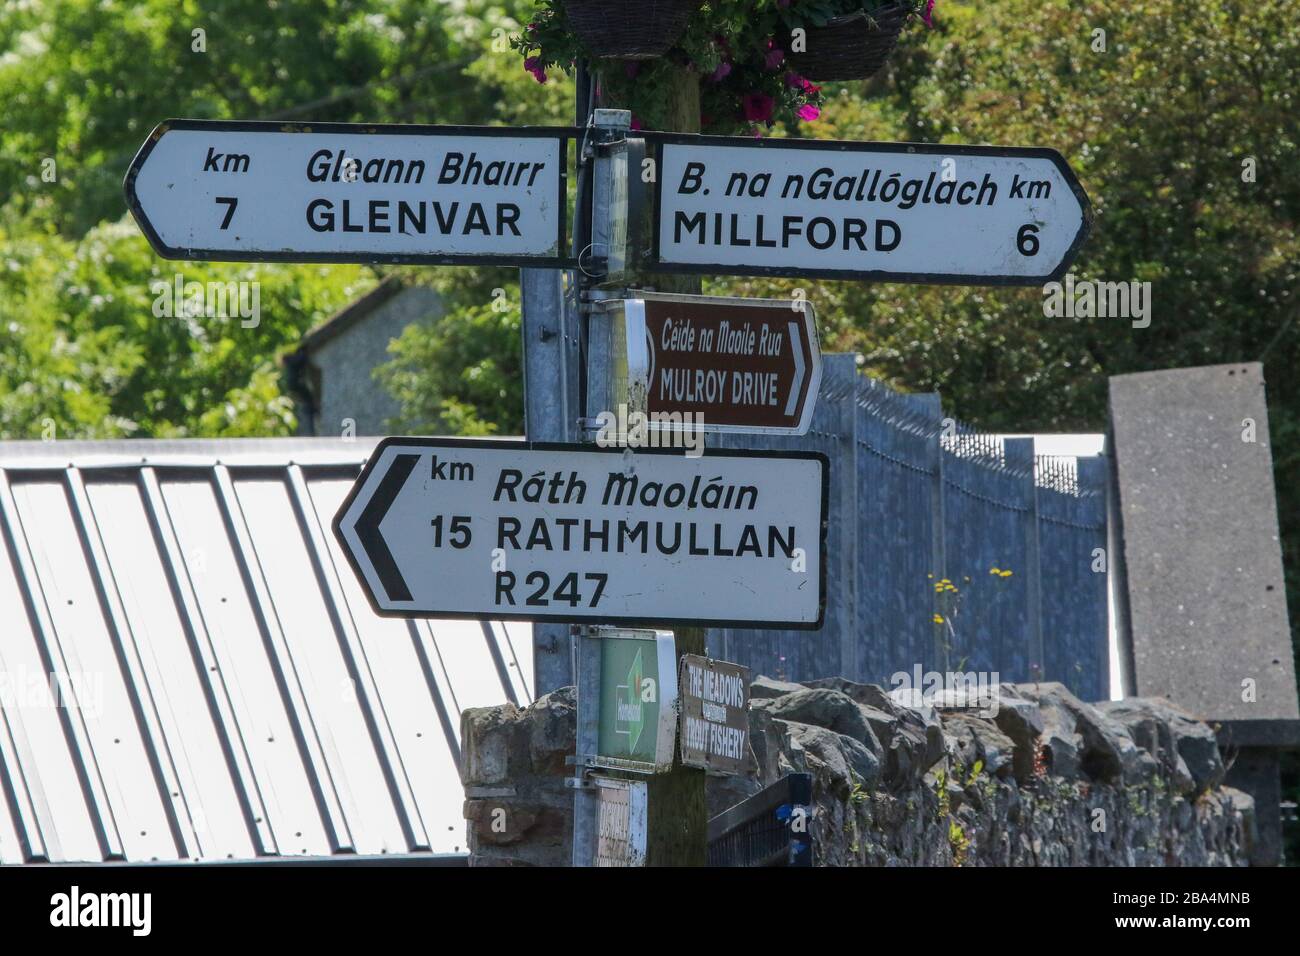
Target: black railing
(771, 828)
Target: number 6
(1027, 240)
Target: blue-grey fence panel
(986, 620)
(1072, 539)
(895, 478)
(796, 655)
(944, 551)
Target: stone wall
(1045, 781)
(518, 810)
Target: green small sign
(638, 700)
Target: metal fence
(947, 550)
(771, 828)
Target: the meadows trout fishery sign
(511, 530)
(714, 723)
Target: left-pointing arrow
(368, 527)
(248, 191)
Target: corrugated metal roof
(221, 687)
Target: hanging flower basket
(629, 29)
(851, 47)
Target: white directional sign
(328, 192)
(885, 211)
(508, 529)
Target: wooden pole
(676, 815)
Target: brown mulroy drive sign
(714, 726)
(718, 364)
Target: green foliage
(463, 374)
(81, 84)
(82, 348)
(83, 81)
(737, 50)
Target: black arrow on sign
(372, 541)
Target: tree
(82, 82)
(95, 344)
(462, 375)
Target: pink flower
(929, 9)
(636, 122)
(797, 82)
(721, 73)
(758, 107)
(774, 58)
(533, 66)
(808, 112)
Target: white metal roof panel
(225, 690)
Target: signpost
(613, 536)
(714, 725)
(713, 364)
(621, 821)
(895, 212)
(333, 192)
(504, 530)
(638, 701)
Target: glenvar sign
(513, 530)
(331, 192)
(720, 364)
(885, 211)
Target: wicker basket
(851, 47)
(629, 29)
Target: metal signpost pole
(586, 809)
(552, 401)
(676, 816)
(550, 410)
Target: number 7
(233, 202)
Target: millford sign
(883, 211)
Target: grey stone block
(1205, 595)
